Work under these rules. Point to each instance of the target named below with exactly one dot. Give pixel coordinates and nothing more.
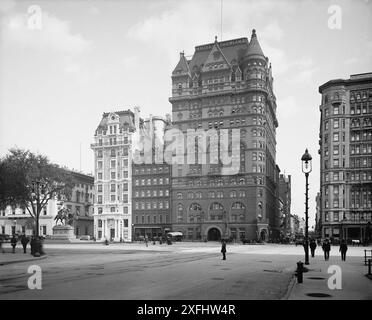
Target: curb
(25, 260)
(290, 287)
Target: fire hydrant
(300, 271)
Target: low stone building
(16, 220)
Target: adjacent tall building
(151, 182)
(227, 85)
(346, 158)
(285, 195)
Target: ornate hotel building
(113, 176)
(227, 85)
(346, 158)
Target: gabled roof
(254, 48)
(232, 49)
(238, 71)
(182, 67)
(215, 58)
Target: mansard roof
(125, 118)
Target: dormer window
(232, 77)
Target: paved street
(180, 271)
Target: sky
(58, 74)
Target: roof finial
(215, 38)
(182, 53)
(254, 33)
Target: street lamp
(306, 168)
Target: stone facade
(346, 158)
(18, 220)
(285, 195)
(227, 85)
(113, 176)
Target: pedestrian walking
(223, 249)
(326, 248)
(24, 241)
(146, 240)
(312, 247)
(343, 249)
(13, 242)
(1, 245)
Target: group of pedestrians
(326, 247)
(13, 242)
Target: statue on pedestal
(65, 216)
(65, 230)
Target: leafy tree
(30, 180)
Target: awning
(175, 234)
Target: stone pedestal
(63, 233)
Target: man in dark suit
(223, 249)
(326, 248)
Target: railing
(104, 144)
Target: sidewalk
(354, 284)
(8, 257)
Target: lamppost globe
(306, 162)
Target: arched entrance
(214, 234)
(263, 235)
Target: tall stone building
(113, 176)
(346, 158)
(226, 85)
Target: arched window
(260, 209)
(233, 194)
(195, 207)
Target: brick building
(151, 190)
